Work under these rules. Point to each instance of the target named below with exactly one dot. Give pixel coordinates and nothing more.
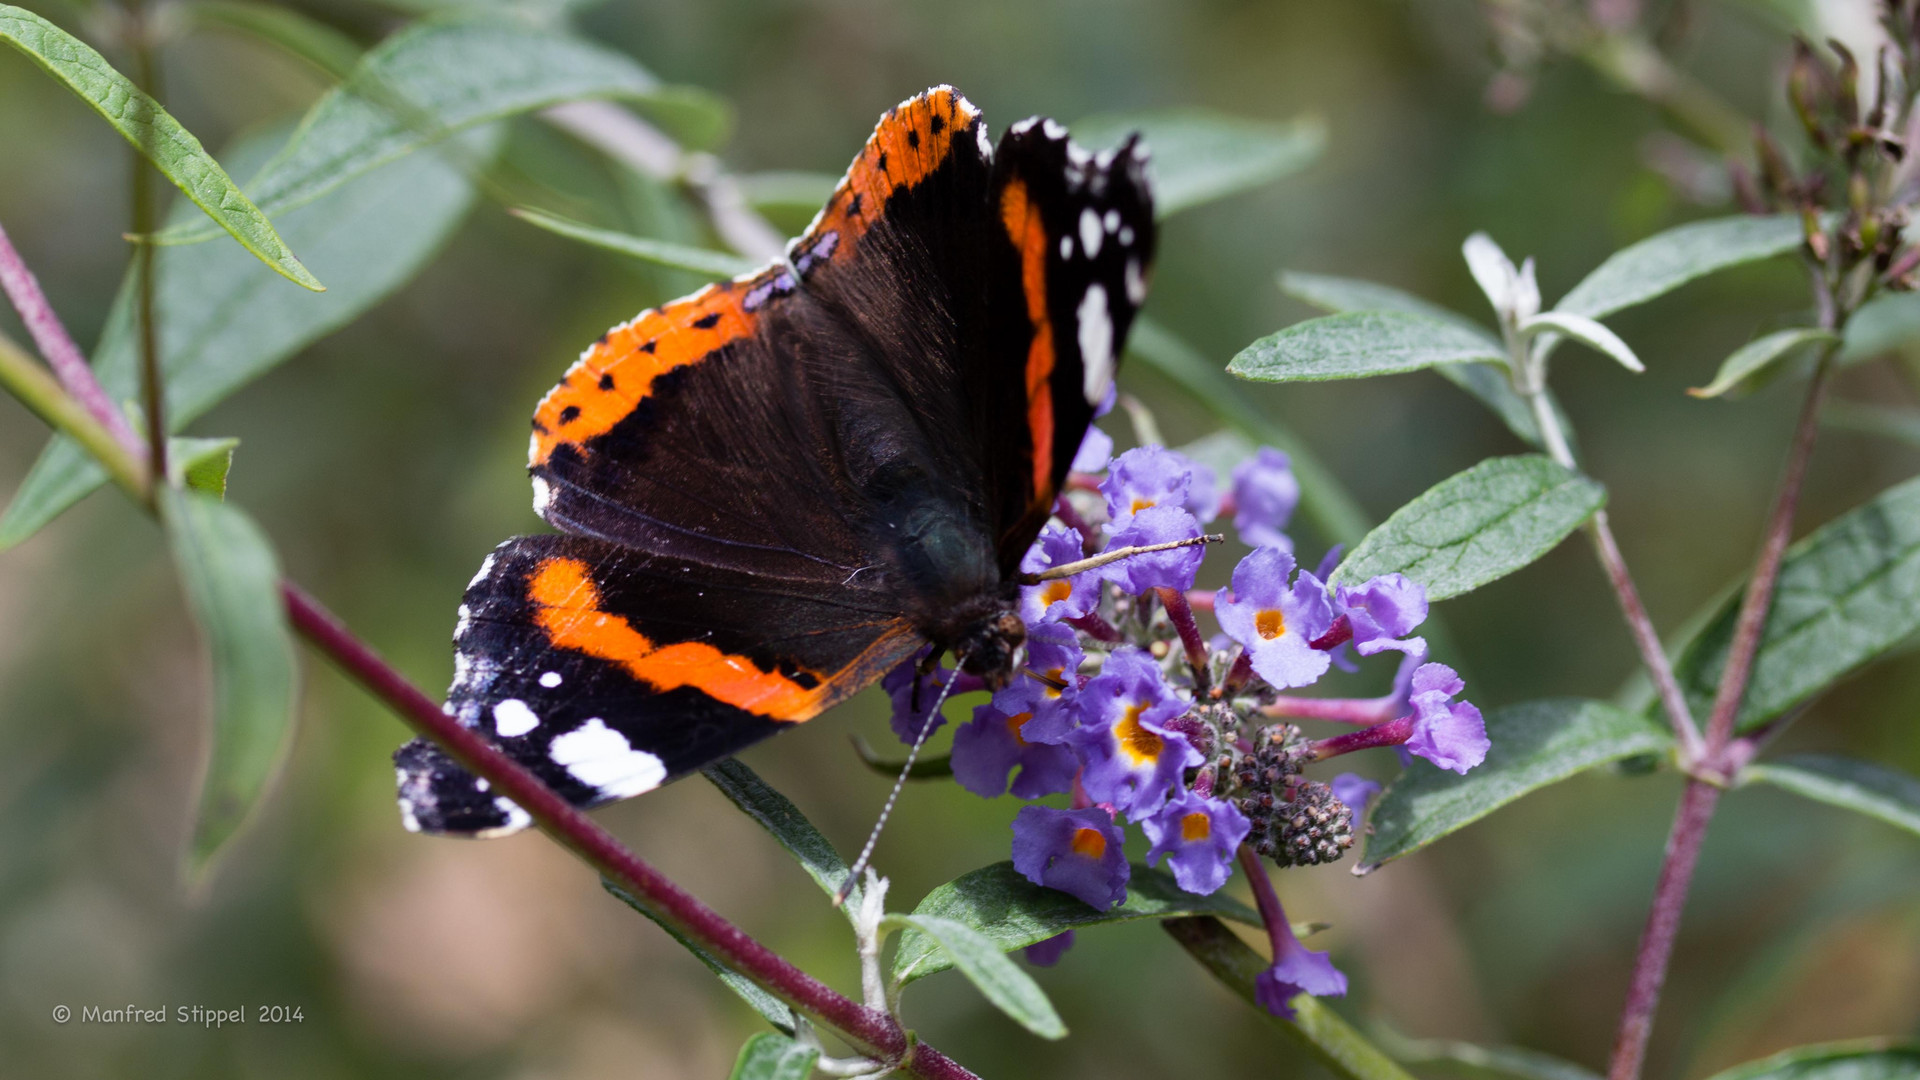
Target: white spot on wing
(1136, 283)
(1090, 234)
(512, 718)
(486, 567)
(517, 819)
(550, 680)
(1024, 126)
(1096, 343)
(542, 496)
(1126, 236)
(465, 621)
(603, 759)
(1113, 221)
(1053, 129)
(1066, 247)
(980, 134)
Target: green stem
(40, 392)
(1314, 1027)
(153, 387)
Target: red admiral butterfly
(771, 492)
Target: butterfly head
(989, 645)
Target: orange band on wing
(569, 611)
(1029, 234)
(906, 146)
(617, 373)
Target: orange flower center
(1056, 591)
(1270, 624)
(1015, 723)
(1058, 675)
(1195, 826)
(1139, 504)
(1089, 842)
(1139, 744)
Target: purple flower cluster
(1122, 708)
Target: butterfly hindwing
(608, 671)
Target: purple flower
(1149, 476)
(986, 749)
(1096, 449)
(1074, 851)
(1053, 652)
(1067, 598)
(1383, 610)
(1275, 623)
(1264, 495)
(1354, 790)
(1448, 733)
(1048, 952)
(1296, 970)
(1172, 569)
(1199, 836)
(1132, 762)
(899, 685)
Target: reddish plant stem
(1653, 655)
(61, 354)
(1098, 627)
(1663, 926)
(871, 1031)
(1201, 599)
(1239, 674)
(1721, 753)
(1181, 615)
(1338, 634)
(1758, 602)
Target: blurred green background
(387, 459)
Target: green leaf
(1359, 344)
(232, 582)
(1861, 786)
(201, 464)
(1323, 500)
(1534, 745)
(224, 321)
(1315, 1028)
(327, 49)
(156, 134)
(1898, 423)
(1665, 261)
(1006, 909)
(1458, 1058)
(1846, 593)
(1200, 156)
(429, 81)
(772, 1008)
(713, 264)
(1588, 332)
(1885, 324)
(1477, 526)
(924, 768)
(1487, 382)
(1011, 990)
(1866, 1059)
(788, 826)
(767, 1056)
(1753, 357)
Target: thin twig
(871, 1031)
(1758, 602)
(153, 387)
(1663, 926)
(38, 391)
(62, 355)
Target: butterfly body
(773, 491)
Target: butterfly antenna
(866, 851)
(1105, 558)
